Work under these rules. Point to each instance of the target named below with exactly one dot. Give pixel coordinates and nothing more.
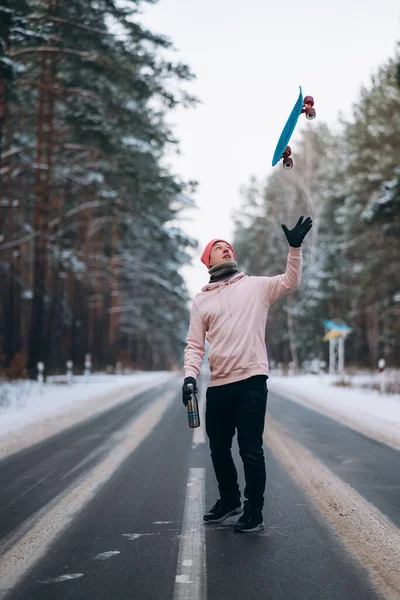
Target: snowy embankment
(367, 411)
(30, 413)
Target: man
(231, 311)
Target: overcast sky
(249, 58)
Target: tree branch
(76, 210)
(19, 242)
(36, 17)
(54, 50)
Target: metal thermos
(193, 408)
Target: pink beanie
(205, 257)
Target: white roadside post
(332, 356)
(40, 377)
(70, 364)
(341, 354)
(336, 333)
(119, 368)
(382, 378)
(88, 366)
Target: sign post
(336, 334)
(382, 378)
(70, 365)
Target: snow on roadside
(39, 413)
(367, 411)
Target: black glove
(296, 235)
(186, 393)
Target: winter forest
(349, 182)
(86, 206)
(90, 243)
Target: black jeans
(238, 406)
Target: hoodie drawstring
(220, 298)
(220, 285)
(229, 298)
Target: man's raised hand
(296, 235)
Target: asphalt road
(139, 534)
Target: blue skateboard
(282, 150)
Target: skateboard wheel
(288, 152)
(310, 113)
(309, 100)
(287, 163)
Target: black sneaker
(251, 520)
(220, 512)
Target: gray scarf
(223, 271)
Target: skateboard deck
(288, 129)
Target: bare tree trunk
(9, 288)
(114, 290)
(36, 349)
(5, 300)
(3, 111)
(38, 342)
(372, 333)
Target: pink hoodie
(232, 316)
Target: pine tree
(92, 152)
(373, 159)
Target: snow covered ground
(30, 413)
(365, 410)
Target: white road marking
(182, 579)
(66, 577)
(135, 536)
(32, 543)
(162, 522)
(187, 562)
(191, 577)
(105, 555)
(362, 528)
